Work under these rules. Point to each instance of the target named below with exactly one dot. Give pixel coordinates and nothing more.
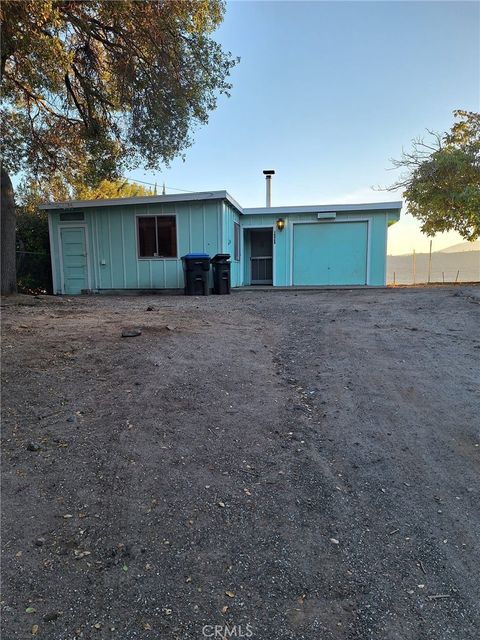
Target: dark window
(147, 237)
(157, 237)
(167, 236)
(71, 216)
(236, 241)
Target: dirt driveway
(282, 465)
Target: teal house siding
(231, 217)
(95, 247)
(113, 260)
(308, 254)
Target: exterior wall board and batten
(112, 235)
(377, 221)
(319, 245)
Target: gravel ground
(282, 465)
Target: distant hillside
(445, 267)
(461, 247)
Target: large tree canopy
(442, 181)
(92, 87)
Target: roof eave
(366, 206)
(140, 200)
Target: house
(137, 243)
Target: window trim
(137, 235)
(237, 254)
(79, 216)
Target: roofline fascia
(218, 195)
(140, 200)
(369, 206)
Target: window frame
(137, 234)
(71, 216)
(236, 244)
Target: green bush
(34, 273)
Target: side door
(74, 260)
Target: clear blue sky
(325, 93)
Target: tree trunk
(7, 237)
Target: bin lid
(221, 256)
(192, 256)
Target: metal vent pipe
(268, 173)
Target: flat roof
(181, 197)
(219, 195)
(319, 208)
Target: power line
(153, 184)
(176, 189)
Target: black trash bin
(196, 270)
(221, 273)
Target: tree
(111, 189)
(442, 182)
(7, 238)
(90, 88)
(31, 193)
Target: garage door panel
(333, 253)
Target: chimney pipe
(268, 173)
